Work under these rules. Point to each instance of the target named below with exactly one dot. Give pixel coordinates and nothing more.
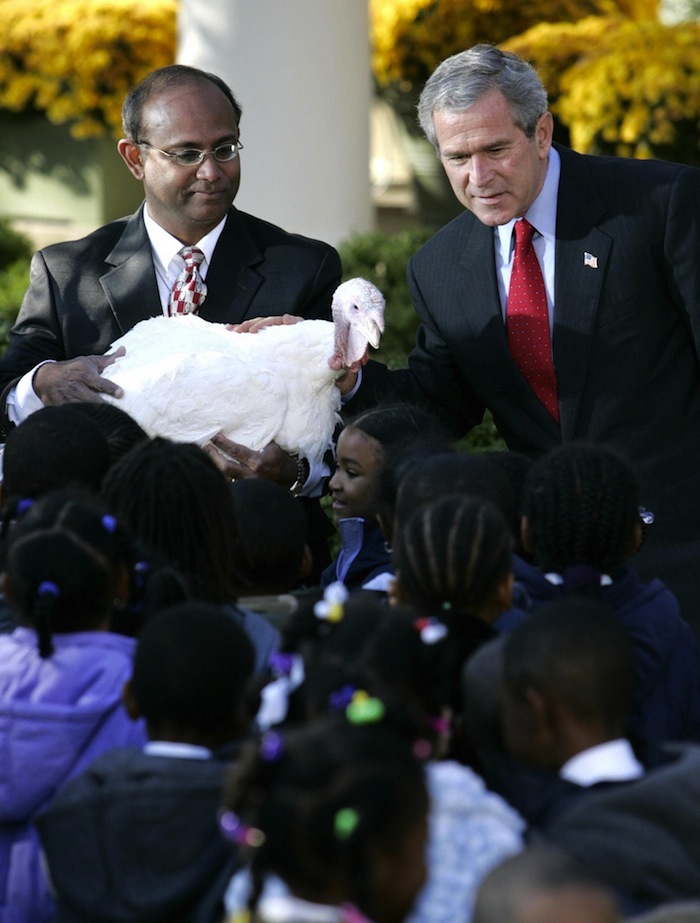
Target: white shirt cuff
(22, 399)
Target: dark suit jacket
(84, 294)
(625, 340)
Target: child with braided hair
(452, 560)
(336, 809)
(581, 523)
(61, 675)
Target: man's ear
(131, 155)
(130, 702)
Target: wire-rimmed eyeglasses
(192, 157)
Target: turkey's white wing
(183, 379)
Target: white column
(301, 71)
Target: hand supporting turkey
(238, 461)
(76, 379)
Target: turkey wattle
(187, 379)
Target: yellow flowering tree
(411, 37)
(75, 60)
(622, 87)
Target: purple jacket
(56, 716)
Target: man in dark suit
(617, 241)
(181, 129)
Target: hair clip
(422, 749)
(24, 505)
(281, 663)
(110, 523)
(345, 823)
(271, 747)
(330, 608)
(48, 588)
(341, 698)
(431, 630)
(364, 709)
(440, 724)
(237, 832)
(646, 516)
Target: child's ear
(637, 538)
(307, 562)
(504, 594)
(130, 702)
(395, 594)
(527, 537)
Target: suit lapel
(582, 254)
(130, 285)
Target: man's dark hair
(158, 81)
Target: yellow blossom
(76, 59)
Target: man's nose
(209, 167)
(480, 169)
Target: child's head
(53, 448)
(174, 499)
(271, 554)
(452, 557)
(192, 665)
(120, 429)
(385, 651)
(339, 811)
(364, 446)
(145, 580)
(454, 473)
(542, 885)
(581, 510)
(567, 681)
(58, 578)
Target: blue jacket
(363, 555)
(56, 716)
(667, 664)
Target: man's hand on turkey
(78, 379)
(238, 461)
(260, 323)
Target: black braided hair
(317, 775)
(452, 555)
(582, 502)
(59, 583)
(151, 582)
(174, 499)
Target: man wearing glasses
(181, 128)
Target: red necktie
(527, 321)
(189, 290)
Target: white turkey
(187, 379)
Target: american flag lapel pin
(590, 260)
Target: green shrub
(382, 259)
(15, 253)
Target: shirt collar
(166, 248)
(613, 761)
(542, 214)
(177, 750)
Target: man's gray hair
(462, 79)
